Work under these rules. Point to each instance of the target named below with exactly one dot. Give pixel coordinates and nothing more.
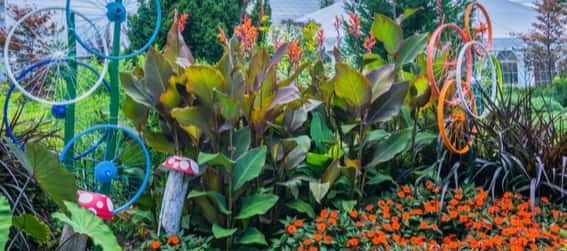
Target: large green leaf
(220, 232)
(193, 116)
(319, 190)
(320, 132)
(5, 221)
(411, 48)
(389, 105)
(176, 50)
(135, 89)
(135, 111)
(217, 159)
(49, 172)
(227, 106)
(241, 140)
(158, 141)
(33, 227)
(248, 167)
(388, 32)
(85, 222)
(20, 156)
(218, 198)
(394, 145)
(202, 80)
(352, 86)
(253, 236)
(302, 207)
(257, 204)
(381, 80)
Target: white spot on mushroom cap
(99, 204)
(109, 205)
(184, 164)
(85, 198)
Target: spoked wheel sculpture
(478, 26)
(52, 117)
(119, 180)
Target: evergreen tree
(426, 19)
(205, 16)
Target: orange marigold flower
(328, 239)
(333, 221)
(334, 214)
(369, 207)
(301, 249)
(375, 241)
(544, 200)
(298, 223)
(317, 237)
(353, 242)
(321, 227)
(459, 196)
(416, 212)
(373, 217)
(307, 242)
(498, 221)
(555, 229)
(423, 225)
(359, 224)
(353, 214)
(434, 227)
(313, 249)
(453, 214)
(290, 229)
(405, 216)
(406, 189)
(155, 245)
(401, 194)
(173, 240)
(445, 218)
(324, 213)
(463, 218)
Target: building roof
(284, 10)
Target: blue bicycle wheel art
(50, 118)
(121, 178)
(111, 17)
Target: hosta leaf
(33, 227)
(248, 167)
(253, 236)
(202, 80)
(388, 32)
(389, 105)
(352, 86)
(218, 198)
(391, 147)
(53, 178)
(411, 48)
(302, 207)
(381, 80)
(85, 222)
(5, 221)
(319, 190)
(257, 204)
(220, 232)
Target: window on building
(509, 64)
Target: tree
(205, 16)
(426, 19)
(546, 42)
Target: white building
(508, 17)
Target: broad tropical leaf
(218, 198)
(411, 48)
(220, 232)
(302, 207)
(85, 222)
(391, 147)
(388, 32)
(248, 167)
(352, 86)
(253, 236)
(33, 227)
(319, 190)
(193, 116)
(389, 105)
(381, 80)
(257, 204)
(158, 141)
(217, 159)
(202, 80)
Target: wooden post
(173, 201)
(71, 241)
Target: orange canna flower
(173, 240)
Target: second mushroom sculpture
(182, 170)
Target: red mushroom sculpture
(182, 169)
(97, 203)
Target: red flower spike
(97, 203)
(369, 43)
(182, 164)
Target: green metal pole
(114, 88)
(71, 92)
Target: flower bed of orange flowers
(412, 218)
